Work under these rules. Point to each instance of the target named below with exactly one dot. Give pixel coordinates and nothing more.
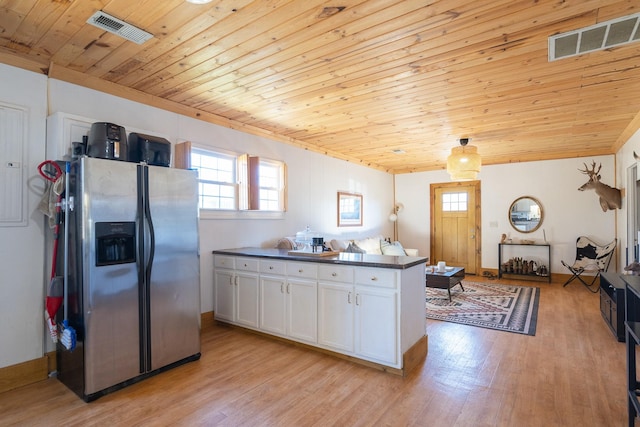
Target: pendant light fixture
(463, 164)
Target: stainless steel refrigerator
(134, 278)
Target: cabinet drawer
(380, 277)
(273, 267)
(335, 273)
(305, 270)
(225, 261)
(247, 264)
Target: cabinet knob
(300, 271)
(334, 274)
(374, 279)
(271, 267)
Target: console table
(612, 303)
(532, 276)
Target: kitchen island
(366, 308)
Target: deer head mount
(610, 198)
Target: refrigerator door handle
(148, 251)
(149, 222)
(140, 262)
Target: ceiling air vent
(615, 32)
(114, 25)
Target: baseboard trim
(32, 371)
(24, 373)
(413, 357)
(207, 320)
(555, 277)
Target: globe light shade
(463, 164)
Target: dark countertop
(614, 279)
(633, 282)
(361, 260)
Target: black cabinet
(632, 335)
(612, 303)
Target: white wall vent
(604, 35)
(114, 25)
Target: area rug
(487, 305)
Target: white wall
(625, 159)
(314, 181)
(22, 248)
(568, 213)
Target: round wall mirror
(525, 214)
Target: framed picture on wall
(349, 209)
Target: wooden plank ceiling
(355, 79)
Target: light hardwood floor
(571, 373)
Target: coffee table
(446, 280)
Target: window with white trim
(270, 182)
(238, 182)
(216, 177)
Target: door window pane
(454, 202)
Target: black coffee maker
(317, 244)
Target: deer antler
(593, 173)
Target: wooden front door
(455, 224)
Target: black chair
(590, 258)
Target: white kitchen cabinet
(372, 313)
(377, 316)
(225, 294)
(302, 301)
(289, 303)
(360, 318)
(376, 324)
(273, 305)
(246, 299)
(336, 307)
(302, 309)
(236, 290)
(335, 315)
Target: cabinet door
(335, 316)
(225, 295)
(302, 308)
(605, 305)
(247, 299)
(273, 308)
(376, 324)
